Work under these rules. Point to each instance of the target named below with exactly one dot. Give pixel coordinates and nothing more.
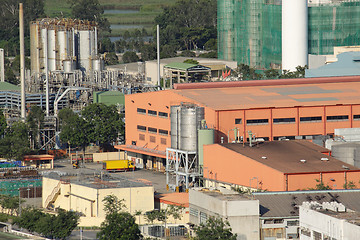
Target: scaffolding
(249, 31)
(182, 168)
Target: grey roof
(101, 182)
(286, 204)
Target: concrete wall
(100, 157)
(88, 200)
(326, 225)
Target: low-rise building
(85, 194)
(329, 220)
(240, 211)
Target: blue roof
(348, 64)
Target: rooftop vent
(303, 161)
(345, 167)
(263, 157)
(325, 159)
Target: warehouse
(270, 109)
(275, 166)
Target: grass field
(6, 236)
(148, 10)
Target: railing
(53, 194)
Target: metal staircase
(51, 198)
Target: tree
(57, 226)
(129, 57)
(105, 123)
(65, 116)
(76, 132)
(349, 185)
(10, 203)
(118, 225)
(89, 10)
(15, 144)
(111, 58)
(3, 124)
(214, 229)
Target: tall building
(251, 31)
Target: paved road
(86, 235)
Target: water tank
(205, 136)
(294, 34)
(347, 152)
(86, 47)
(191, 117)
(175, 126)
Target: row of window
(152, 139)
(292, 120)
(152, 113)
(152, 130)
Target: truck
(118, 165)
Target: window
(293, 223)
(310, 119)
(238, 121)
(152, 130)
(306, 232)
(203, 217)
(257, 121)
(283, 120)
(357, 117)
(152, 112)
(141, 128)
(163, 114)
(163, 132)
(142, 137)
(337, 118)
(194, 212)
(278, 221)
(141, 111)
(317, 235)
(163, 141)
(152, 139)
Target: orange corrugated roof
(179, 199)
(248, 96)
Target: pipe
(158, 52)
(22, 61)
(46, 71)
(2, 65)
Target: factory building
(275, 166)
(158, 122)
(281, 34)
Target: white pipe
(46, 72)
(158, 52)
(2, 65)
(22, 61)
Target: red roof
(38, 157)
(178, 199)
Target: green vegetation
(118, 224)
(249, 73)
(214, 228)
(57, 226)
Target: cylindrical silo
(84, 44)
(294, 34)
(51, 49)
(191, 117)
(205, 136)
(347, 152)
(175, 126)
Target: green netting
(249, 31)
(11, 187)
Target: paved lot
(158, 179)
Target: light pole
(19, 203)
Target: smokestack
(2, 65)
(158, 53)
(22, 60)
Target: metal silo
(205, 136)
(51, 49)
(175, 119)
(190, 122)
(347, 152)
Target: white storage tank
(51, 49)
(175, 119)
(191, 117)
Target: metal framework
(180, 166)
